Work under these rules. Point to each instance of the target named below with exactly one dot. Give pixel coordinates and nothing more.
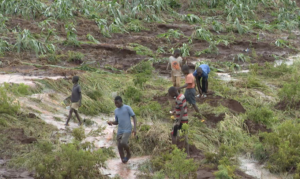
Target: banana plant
(202, 34)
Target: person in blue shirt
(123, 113)
(202, 73)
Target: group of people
(200, 74)
(123, 113)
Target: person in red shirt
(180, 111)
(190, 91)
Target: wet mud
(17, 134)
(254, 127)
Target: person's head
(173, 92)
(199, 71)
(75, 79)
(177, 53)
(118, 101)
(185, 69)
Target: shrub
(17, 89)
(290, 91)
(70, 161)
(283, 147)
(261, 114)
(140, 79)
(144, 67)
(78, 133)
(153, 109)
(133, 94)
(76, 57)
(175, 164)
(7, 103)
(94, 94)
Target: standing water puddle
(253, 168)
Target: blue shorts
(190, 95)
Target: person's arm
(113, 122)
(134, 125)
(80, 96)
(184, 86)
(198, 85)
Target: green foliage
(17, 89)
(225, 172)
(290, 91)
(152, 109)
(133, 94)
(75, 56)
(253, 82)
(4, 46)
(71, 35)
(282, 146)
(141, 50)
(3, 122)
(136, 26)
(8, 104)
(241, 58)
(191, 18)
(78, 133)
(260, 153)
(91, 38)
(94, 94)
(25, 8)
(261, 115)
(171, 34)
(68, 161)
(185, 50)
(202, 34)
(140, 79)
(175, 164)
(271, 71)
(26, 41)
(143, 67)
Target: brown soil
(17, 134)
(212, 119)
(254, 127)
(215, 101)
(114, 51)
(283, 105)
(193, 151)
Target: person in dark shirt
(75, 100)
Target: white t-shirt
(175, 65)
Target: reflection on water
(253, 168)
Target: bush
(283, 147)
(76, 57)
(17, 89)
(290, 91)
(7, 104)
(153, 109)
(144, 67)
(78, 133)
(94, 94)
(140, 79)
(133, 94)
(70, 161)
(261, 115)
(175, 164)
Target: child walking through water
(75, 100)
(122, 119)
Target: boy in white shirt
(175, 62)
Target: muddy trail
(49, 109)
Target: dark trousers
(203, 86)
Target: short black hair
(185, 68)
(177, 51)
(76, 78)
(199, 69)
(118, 98)
(172, 89)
